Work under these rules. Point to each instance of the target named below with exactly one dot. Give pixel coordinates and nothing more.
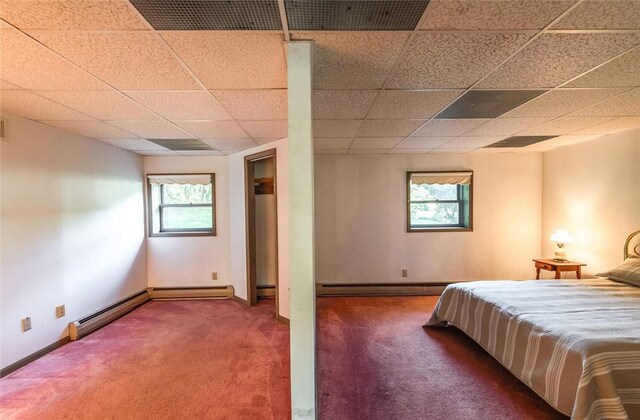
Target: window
(181, 205)
(439, 201)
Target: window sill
(440, 229)
(176, 234)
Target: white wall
(189, 260)
(72, 231)
(360, 220)
(593, 189)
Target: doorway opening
(262, 227)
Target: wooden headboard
(632, 245)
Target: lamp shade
(561, 236)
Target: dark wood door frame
(250, 217)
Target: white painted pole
(302, 295)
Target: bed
(576, 343)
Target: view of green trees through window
(426, 208)
(187, 206)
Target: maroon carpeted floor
(375, 361)
(165, 360)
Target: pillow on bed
(628, 272)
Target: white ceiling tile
(93, 129)
(227, 60)
(564, 125)
(152, 130)
(342, 104)
(471, 142)
(231, 144)
(500, 150)
(367, 151)
(134, 144)
(4, 85)
(506, 126)
(376, 142)
(330, 152)
(424, 142)
(625, 105)
(448, 128)
(452, 151)
(265, 140)
(213, 129)
(336, 128)
(409, 151)
(560, 141)
(554, 58)
(201, 153)
(452, 60)
(389, 128)
(411, 104)
(182, 105)
(157, 153)
(493, 14)
(320, 143)
(277, 128)
(76, 14)
(268, 104)
(5, 25)
(612, 126)
(35, 107)
(622, 71)
(352, 60)
(101, 104)
(602, 14)
(559, 102)
(31, 65)
(126, 60)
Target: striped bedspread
(576, 343)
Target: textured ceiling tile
(376, 142)
(506, 126)
(321, 143)
(388, 128)
(452, 60)
(134, 144)
(201, 153)
(330, 152)
(213, 129)
(500, 150)
(397, 104)
(152, 130)
(612, 126)
(557, 103)
(555, 58)
(452, 151)
(409, 151)
(472, 142)
(424, 142)
(4, 85)
(351, 60)
(265, 140)
(367, 151)
(622, 71)
(560, 141)
(625, 105)
(494, 14)
(603, 14)
(343, 104)
(446, 128)
(101, 104)
(30, 65)
(277, 128)
(93, 129)
(30, 105)
(125, 60)
(236, 144)
(336, 128)
(75, 14)
(232, 60)
(182, 105)
(269, 104)
(156, 153)
(564, 125)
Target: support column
(302, 293)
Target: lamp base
(560, 260)
(560, 255)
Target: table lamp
(561, 237)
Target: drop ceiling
(390, 76)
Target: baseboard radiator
(380, 289)
(266, 291)
(84, 326)
(182, 293)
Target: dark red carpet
(375, 361)
(165, 360)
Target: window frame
(179, 232)
(461, 227)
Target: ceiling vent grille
(181, 144)
(354, 15)
(194, 15)
(519, 141)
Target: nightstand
(558, 267)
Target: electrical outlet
(214, 276)
(404, 272)
(26, 324)
(60, 311)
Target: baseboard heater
(181, 293)
(84, 326)
(380, 289)
(266, 291)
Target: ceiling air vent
(519, 141)
(487, 103)
(353, 15)
(194, 15)
(181, 144)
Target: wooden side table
(558, 267)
